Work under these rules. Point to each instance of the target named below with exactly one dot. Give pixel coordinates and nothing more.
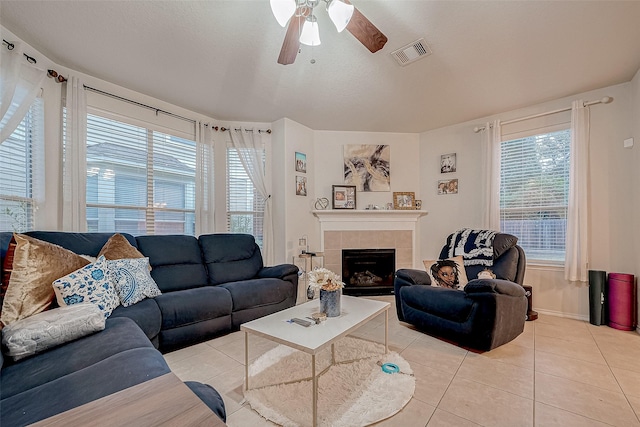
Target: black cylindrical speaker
(597, 285)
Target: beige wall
(611, 194)
(635, 134)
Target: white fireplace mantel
(371, 220)
(353, 216)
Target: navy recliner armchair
(486, 314)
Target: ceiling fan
(303, 26)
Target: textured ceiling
(219, 57)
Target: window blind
(21, 158)
(139, 181)
(245, 206)
(534, 192)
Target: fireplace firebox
(368, 271)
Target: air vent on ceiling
(411, 52)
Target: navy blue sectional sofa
(210, 285)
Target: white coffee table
(355, 313)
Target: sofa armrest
(407, 277)
(413, 277)
(277, 271)
(494, 286)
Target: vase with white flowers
(330, 287)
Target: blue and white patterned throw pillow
(88, 284)
(132, 281)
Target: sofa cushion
(104, 377)
(230, 257)
(51, 328)
(36, 265)
(505, 267)
(258, 292)
(119, 335)
(80, 243)
(146, 314)
(131, 279)
(176, 261)
(502, 242)
(88, 284)
(441, 302)
(190, 306)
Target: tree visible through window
(534, 191)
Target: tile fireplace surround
(369, 229)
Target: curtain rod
(157, 110)
(604, 100)
(224, 129)
(11, 46)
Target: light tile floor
(559, 372)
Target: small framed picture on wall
(301, 185)
(448, 163)
(301, 162)
(448, 186)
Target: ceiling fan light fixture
(340, 13)
(283, 10)
(310, 32)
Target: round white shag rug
(353, 392)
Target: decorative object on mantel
(344, 196)
(330, 287)
(321, 203)
(418, 204)
(404, 200)
(368, 167)
(449, 186)
(448, 163)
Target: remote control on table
(301, 321)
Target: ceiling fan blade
(367, 33)
(291, 43)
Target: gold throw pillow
(36, 264)
(118, 247)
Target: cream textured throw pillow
(51, 328)
(36, 264)
(447, 273)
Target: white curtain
(204, 180)
(20, 83)
(249, 146)
(74, 195)
(491, 152)
(577, 239)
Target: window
(139, 181)
(534, 191)
(245, 205)
(21, 157)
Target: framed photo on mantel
(344, 197)
(404, 200)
